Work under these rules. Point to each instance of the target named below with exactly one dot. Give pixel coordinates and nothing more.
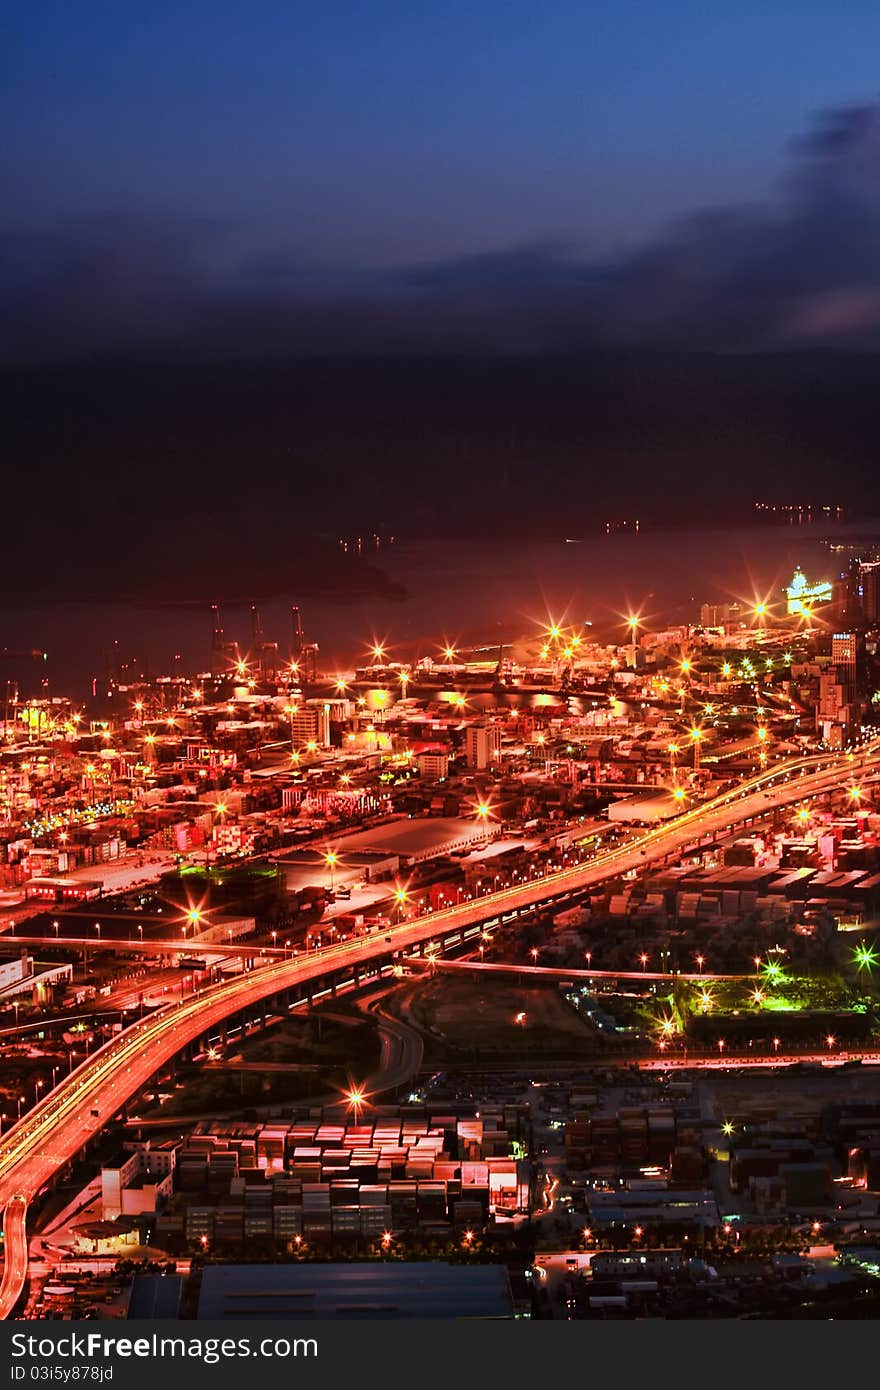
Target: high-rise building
(869, 590)
(483, 745)
(724, 615)
(311, 724)
(844, 661)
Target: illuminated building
(483, 745)
(721, 615)
(843, 657)
(433, 764)
(803, 596)
(311, 724)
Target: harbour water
(465, 592)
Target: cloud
(801, 269)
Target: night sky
(230, 234)
(391, 133)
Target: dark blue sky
(386, 132)
(229, 177)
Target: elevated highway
(536, 973)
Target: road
(402, 1049)
(173, 946)
(48, 1136)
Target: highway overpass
(536, 973)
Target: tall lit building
(844, 660)
(311, 724)
(722, 615)
(483, 745)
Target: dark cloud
(801, 270)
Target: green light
(727, 1128)
(865, 957)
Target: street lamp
(331, 859)
(696, 737)
(355, 1097)
(672, 749)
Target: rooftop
(404, 1290)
